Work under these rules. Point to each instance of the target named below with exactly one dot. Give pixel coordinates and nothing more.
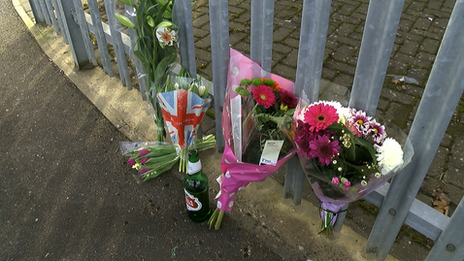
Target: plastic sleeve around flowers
(238, 124)
(324, 188)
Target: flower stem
(216, 219)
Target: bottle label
(193, 168)
(192, 202)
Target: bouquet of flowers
(155, 47)
(183, 102)
(152, 159)
(257, 119)
(345, 154)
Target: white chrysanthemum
(389, 155)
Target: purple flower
(323, 149)
(131, 162)
(335, 181)
(143, 152)
(144, 170)
(144, 160)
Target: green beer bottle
(196, 189)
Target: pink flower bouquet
(257, 119)
(345, 154)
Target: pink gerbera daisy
(320, 116)
(323, 149)
(264, 96)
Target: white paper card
(271, 152)
(236, 120)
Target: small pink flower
(335, 181)
(131, 162)
(143, 152)
(143, 160)
(144, 170)
(347, 183)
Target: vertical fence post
(450, 244)
(379, 34)
(100, 37)
(441, 95)
(262, 24)
(117, 44)
(313, 35)
(51, 14)
(183, 18)
(61, 19)
(79, 13)
(219, 31)
(73, 33)
(37, 11)
(43, 8)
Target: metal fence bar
(118, 45)
(450, 244)
(79, 12)
(100, 37)
(60, 19)
(51, 14)
(43, 8)
(262, 24)
(421, 217)
(313, 35)
(441, 95)
(183, 19)
(379, 34)
(219, 27)
(72, 31)
(37, 11)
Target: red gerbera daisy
(264, 96)
(320, 116)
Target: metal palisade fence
(396, 200)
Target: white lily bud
(201, 90)
(176, 86)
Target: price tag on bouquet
(271, 152)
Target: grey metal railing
(396, 200)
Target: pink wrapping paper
(236, 174)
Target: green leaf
(162, 3)
(368, 149)
(162, 67)
(242, 91)
(128, 2)
(124, 21)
